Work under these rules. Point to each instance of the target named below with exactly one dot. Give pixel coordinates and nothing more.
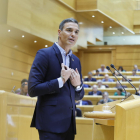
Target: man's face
(102, 67)
(25, 89)
(94, 89)
(97, 73)
(99, 83)
(106, 78)
(69, 35)
(89, 76)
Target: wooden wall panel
(120, 11)
(92, 61)
(129, 56)
(86, 5)
(70, 3)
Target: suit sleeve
(80, 94)
(37, 85)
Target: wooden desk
(128, 73)
(111, 91)
(85, 108)
(113, 84)
(133, 78)
(95, 99)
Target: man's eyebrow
(72, 28)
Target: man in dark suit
(55, 78)
(95, 91)
(90, 79)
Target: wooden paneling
(118, 10)
(69, 3)
(136, 17)
(93, 61)
(86, 5)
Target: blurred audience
(136, 68)
(116, 73)
(107, 79)
(120, 69)
(100, 84)
(123, 79)
(102, 69)
(95, 91)
(98, 73)
(90, 78)
(78, 112)
(119, 92)
(134, 73)
(118, 85)
(24, 89)
(105, 98)
(85, 85)
(83, 102)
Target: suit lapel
(72, 62)
(58, 53)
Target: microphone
(107, 67)
(13, 89)
(112, 66)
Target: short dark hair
(120, 89)
(61, 26)
(120, 67)
(97, 70)
(24, 80)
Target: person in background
(119, 92)
(107, 79)
(134, 73)
(136, 68)
(100, 84)
(105, 99)
(23, 80)
(90, 79)
(123, 79)
(85, 85)
(95, 91)
(78, 112)
(116, 73)
(102, 69)
(24, 89)
(120, 69)
(98, 73)
(118, 85)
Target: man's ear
(59, 31)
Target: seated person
(120, 69)
(102, 69)
(118, 85)
(136, 68)
(98, 73)
(100, 84)
(105, 99)
(90, 79)
(123, 79)
(107, 79)
(24, 89)
(83, 102)
(78, 112)
(95, 91)
(116, 73)
(85, 85)
(119, 92)
(134, 72)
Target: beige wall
(126, 56)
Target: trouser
(68, 135)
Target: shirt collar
(63, 52)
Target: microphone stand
(125, 79)
(116, 78)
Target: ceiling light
(113, 32)
(80, 22)
(100, 48)
(110, 26)
(22, 36)
(46, 46)
(9, 30)
(102, 21)
(35, 41)
(122, 32)
(93, 16)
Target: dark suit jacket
(98, 93)
(92, 79)
(55, 106)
